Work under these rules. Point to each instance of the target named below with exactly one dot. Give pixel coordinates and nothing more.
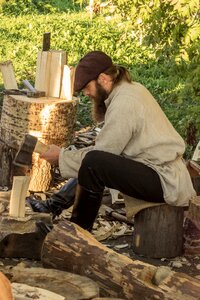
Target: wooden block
(49, 71)
(67, 83)
(158, 231)
(20, 237)
(8, 74)
(18, 195)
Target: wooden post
(158, 231)
(18, 195)
(70, 248)
(46, 41)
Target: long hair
(118, 74)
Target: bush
(22, 7)
(170, 73)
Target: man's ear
(103, 78)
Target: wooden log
(8, 74)
(68, 285)
(192, 228)
(20, 237)
(18, 195)
(158, 231)
(68, 247)
(36, 116)
(194, 170)
(49, 72)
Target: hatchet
(29, 145)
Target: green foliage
(22, 7)
(158, 41)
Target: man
(137, 152)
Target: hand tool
(29, 145)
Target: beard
(98, 104)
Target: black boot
(57, 202)
(86, 207)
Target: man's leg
(100, 169)
(63, 199)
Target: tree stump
(69, 247)
(192, 228)
(51, 120)
(158, 231)
(20, 237)
(68, 285)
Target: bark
(68, 247)
(192, 228)
(158, 231)
(52, 120)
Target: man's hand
(52, 155)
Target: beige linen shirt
(137, 128)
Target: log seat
(158, 228)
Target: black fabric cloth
(101, 169)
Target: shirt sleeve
(70, 161)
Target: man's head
(90, 67)
(96, 75)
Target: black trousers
(101, 169)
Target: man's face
(97, 95)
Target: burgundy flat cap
(89, 68)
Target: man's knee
(93, 158)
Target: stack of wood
(51, 118)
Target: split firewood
(69, 247)
(18, 195)
(49, 72)
(8, 74)
(67, 285)
(67, 83)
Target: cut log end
(158, 231)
